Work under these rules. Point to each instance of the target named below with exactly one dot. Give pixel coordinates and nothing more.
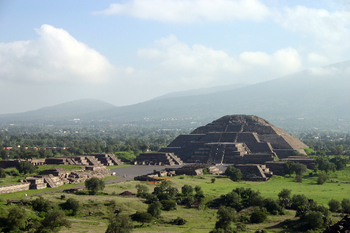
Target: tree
(155, 209)
(288, 167)
(345, 205)
(314, 219)
(299, 200)
(285, 193)
(299, 168)
(233, 200)
(25, 167)
(234, 173)
(42, 205)
(142, 190)
(2, 173)
(142, 217)
(94, 185)
(72, 204)
(168, 204)
(258, 216)
(120, 224)
(226, 216)
(54, 221)
(16, 218)
(187, 190)
(334, 205)
(322, 178)
(273, 207)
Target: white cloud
(329, 30)
(191, 10)
(55, 57)
(317, 59)
(199, 66)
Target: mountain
(201, 91)
(65, 111)
(316, 97)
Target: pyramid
(243, 139)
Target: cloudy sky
(128, 51)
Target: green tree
(54, 220)
(233, 200)
(225, 215)
(25, 167)
(299, 168)
(94, 185)
(120, 224)
(155, 209)
(314, 219)
(334, 205)
(168, 204)
(299, 200)
(234, 173)
(142, 190)
(2, 173)
(16, 218)
(42, 205)
(187, 190)
(345, 205)
(258, 216)
(72, 204)
(322, 178)
(142, 217)
(285, 193)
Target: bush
(42, 205)
(234, 173)
(94, 185)
(25, 167)
(187, 190)
(299, 200)
(226, 216)
(298, 178)
(2, 173)
(53, 221)
(285, 193)
(258, 216)
(142, 217)
(314, 219)
(322, 178)
(142, 190)
(213, 180)
(72, 204)
(16, 218)
(179, 221)
(345, 204)
(168, 204)
(334, 205)
(120, 223)
(155, 209)
(272, 206)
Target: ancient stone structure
(160, 158)
(14, 188)
(254, 172)
(238, 139)
(87, 160)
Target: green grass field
(93, 217)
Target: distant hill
(314, 97)
(64, 111)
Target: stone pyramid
(235, 139)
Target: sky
(130, 51)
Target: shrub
(72, 204)
(213, 180)
(314, 219)
(322, 178)
(179, 221)
(42, 205)
(299, 200)
(334, 205)
(272, 206)
(226, 216)
(285, 193)
(25, 167)
(142, 217)
(53, 221)
(2, 173)
(94, 185)
(234, 173)
(155, 209)
(345, 204)
(142, 190)
(16, 218)
(120, 223)
(298, 178)
(258, 216)
(168, 204)
(187, 190)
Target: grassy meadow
(93, 216)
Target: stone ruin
(56, 177)
(86, 160)
(159, 158)
(191, 170)
(254, 172)
(238, 139)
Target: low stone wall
(14, 188)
